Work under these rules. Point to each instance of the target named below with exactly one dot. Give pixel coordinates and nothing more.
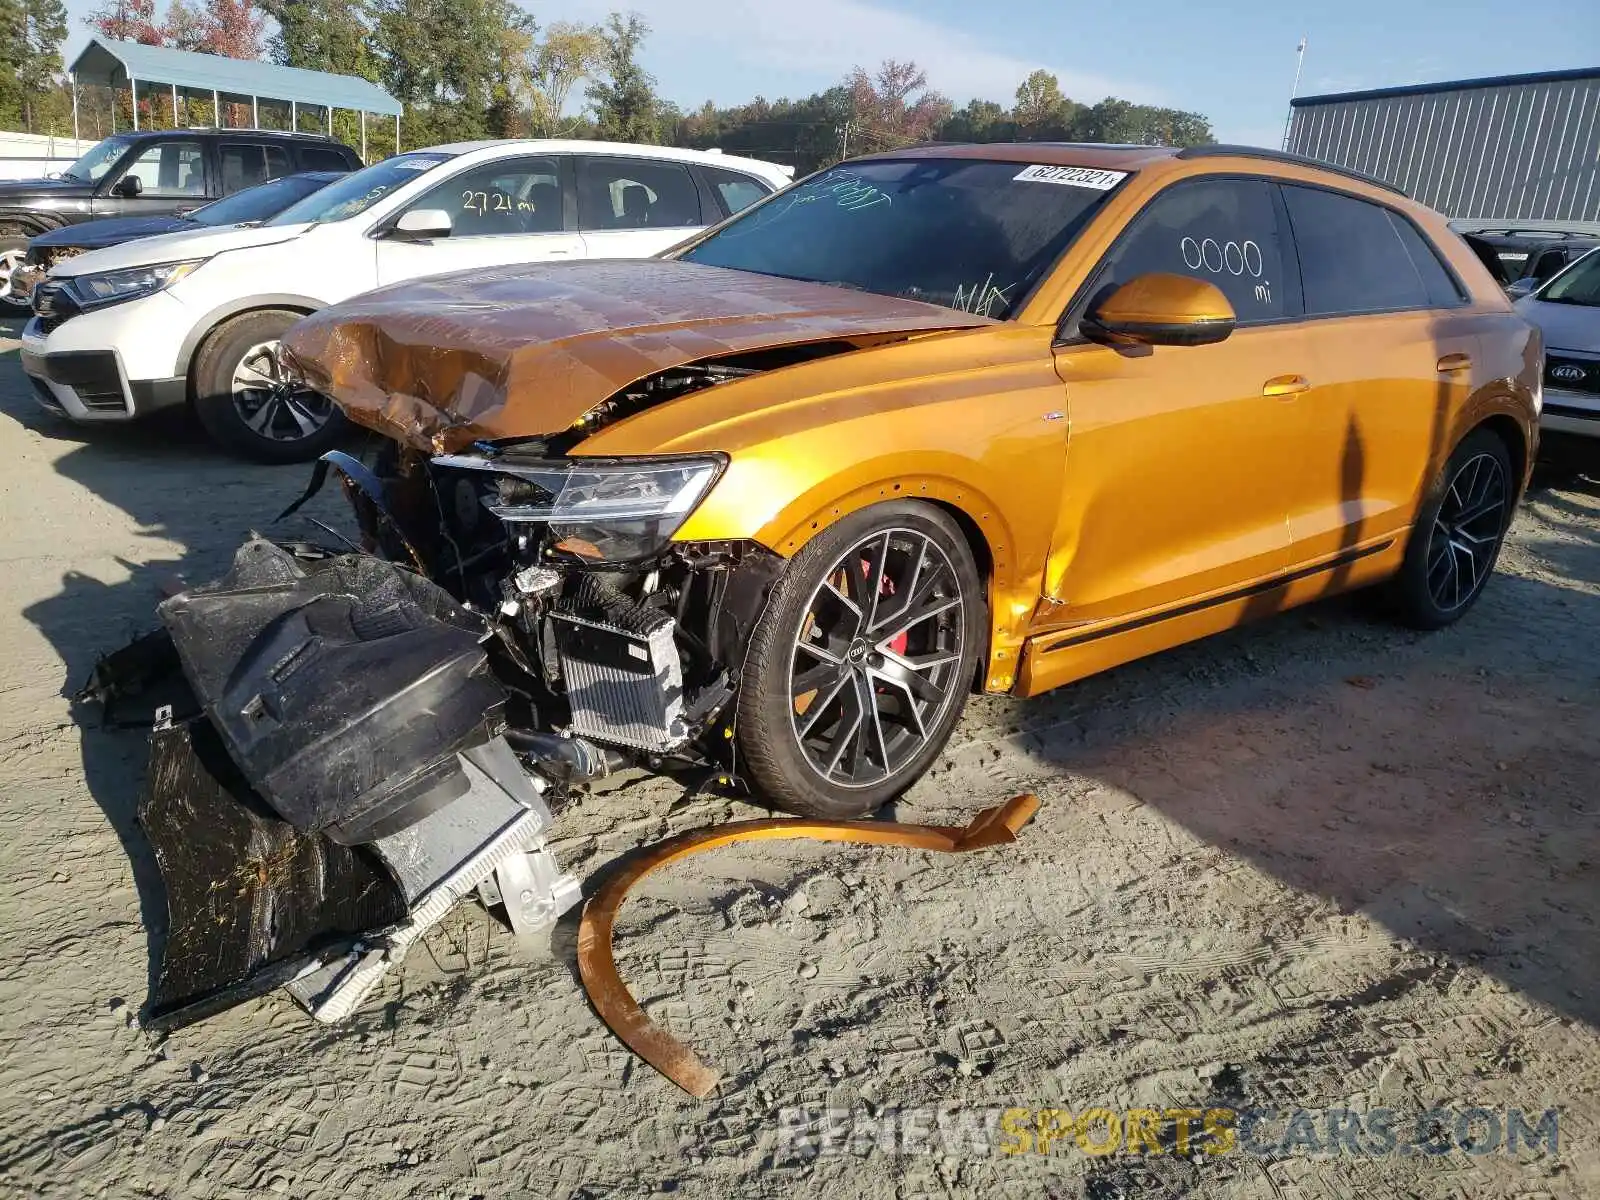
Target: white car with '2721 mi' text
(196, 317)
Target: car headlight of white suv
(133, 283)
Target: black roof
(1453, 85)
(1223, 150)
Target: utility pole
(844, 141)
(1299, 64)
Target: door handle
(1285, 385)
(1455, 362)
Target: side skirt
(1064, 655)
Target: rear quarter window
(325, 158)
(1437, 280)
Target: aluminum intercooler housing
(621, 668)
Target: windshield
(260, 202)
(356, 193)
(1578, 284)
(99, 159)
(968, 235)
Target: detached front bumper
(328, 777)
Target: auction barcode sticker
(1085, 177)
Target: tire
(289, 426)
(13, 246)
(1457, 537)
(809, 658)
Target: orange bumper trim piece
(610, 996)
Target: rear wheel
(1458, 533)
(862, 662)
(13, 250)
(246, 402)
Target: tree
(979, 121)
(1122, 121)
(127, 21)
(233, 29)
(624, 97)
(1042, 112)
(185, 26)
(895, 107)
(322, 35)
(569, 52)
(31, 33)
(448, 61)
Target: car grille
(1572, 374)
(53, 304)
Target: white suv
(196, 316)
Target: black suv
(154, 173)
(1529, 256)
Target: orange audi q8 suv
(940, 420)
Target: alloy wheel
(875, 661)
(270, 403)
(1466, 532)
(10, 263)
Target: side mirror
(1160, 310)
(128, 186)
(421, 224)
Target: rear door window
(247, 165)
(1352, 258)
(737, 192)
(635, 193)
(1225, 231)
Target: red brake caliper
(886, 588)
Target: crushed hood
(518, 351)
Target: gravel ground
(1318, 862)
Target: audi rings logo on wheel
(1234, 258)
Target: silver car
(1567, 311)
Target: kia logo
(1567, 374)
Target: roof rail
(1226, 151)
(300, 133)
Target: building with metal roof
(143, 70)
(1512, 148)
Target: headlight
(617, 510)
(114, 287)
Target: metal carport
(106, 62)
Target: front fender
(971, 421)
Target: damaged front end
(346, 745)
(365, 738)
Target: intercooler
(622, 671)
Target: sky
(1232, 61)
